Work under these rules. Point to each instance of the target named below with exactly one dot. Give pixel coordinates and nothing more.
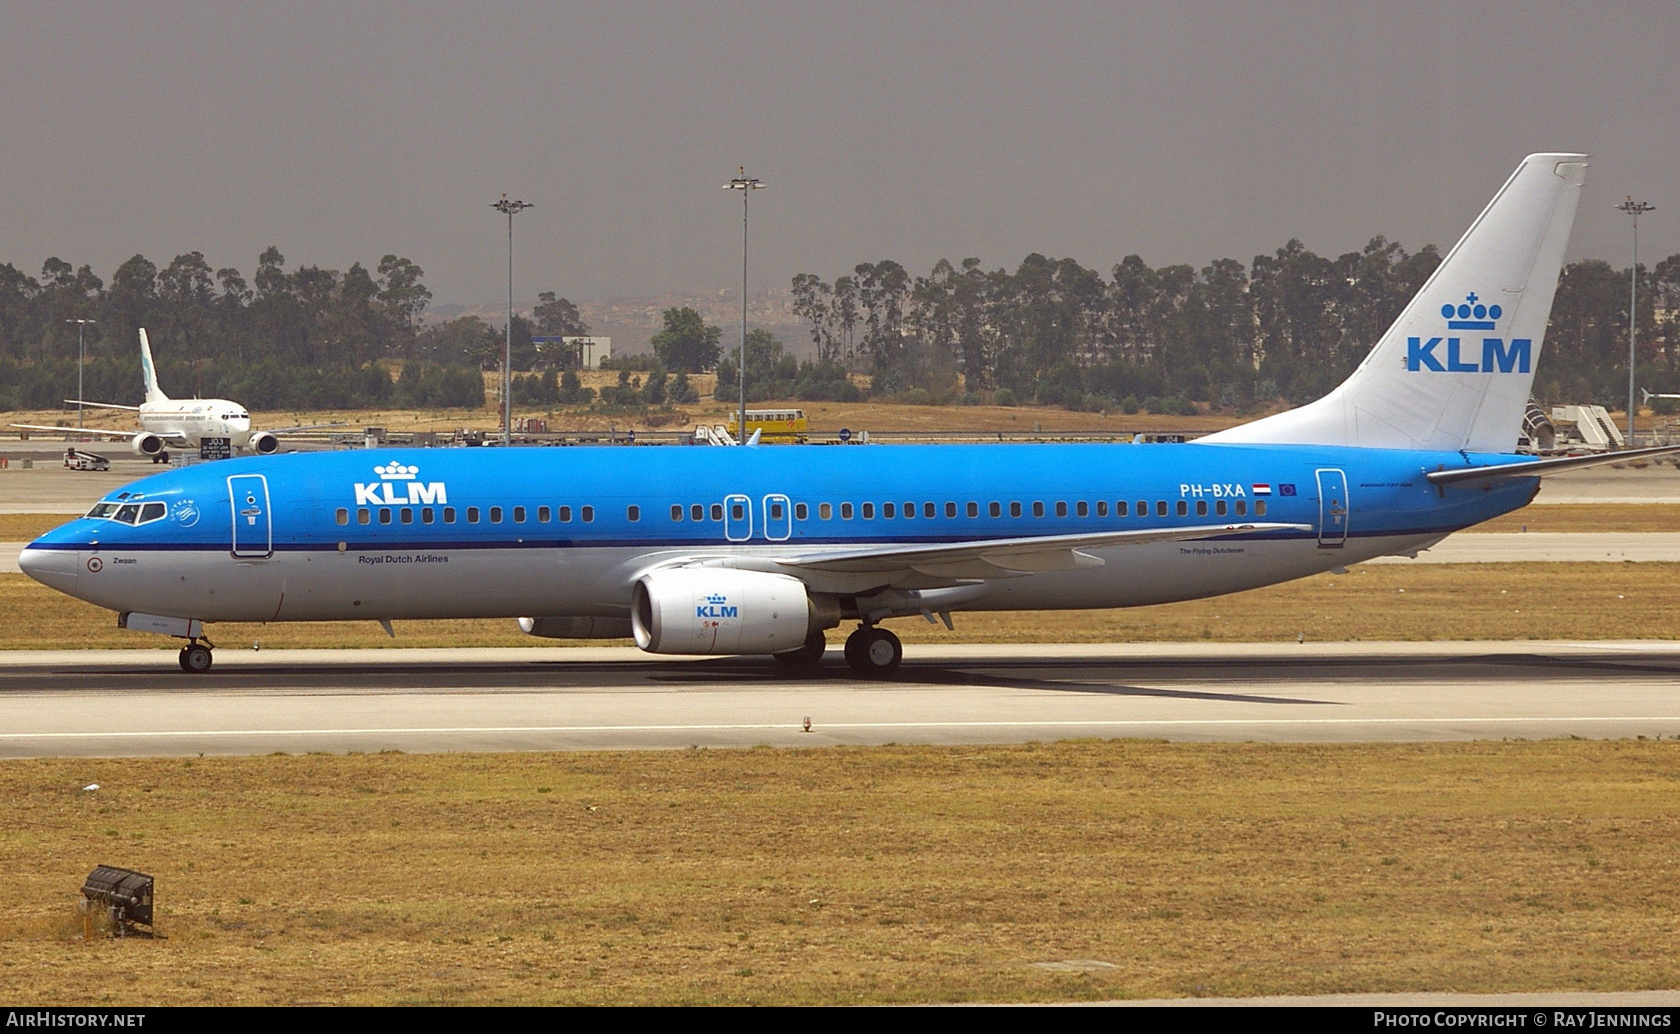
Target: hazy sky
(1179, 131)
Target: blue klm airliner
(761, 550)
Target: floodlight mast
(508, 208)
(81, 327)
(746, 185)
(1635, 209)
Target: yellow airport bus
(773, 425)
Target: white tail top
(148, 372)
(1455, 370)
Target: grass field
(844, 875)
(1425, 602)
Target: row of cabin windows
(825, 511)
(430, 515)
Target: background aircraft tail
(1455, 370)
(148, 371)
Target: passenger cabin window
(868, 511)
(1061, 509)
(1201, 508)
(1219, 508)
(343, 516)
(717, 511)
(384, 515)
(634, 513)
(588, 513)
(737, 512)
(800, 511)
(1160, 507)
(519, 515)
(676, 511)
(888, 510)
(1242, 508)
(775, 511)
(1083, 509)
(845, 511)
(495, 515)
(1014, 509)
(1183, 508)
(996, 510)
(696, 512)
(362, 515)
(1102, 507)
(565, 515)
(1038, 509)
(427, 515)
(544, 515)
(472, 515)
(825, 511)
(974, 509)
(407, 514)
(1259, 507)
(449, 515)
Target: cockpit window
(128, 514)
(102, 510)
(152, 512)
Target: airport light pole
(81, 328)
(508, 208)
(746, 185)
(1635, 209)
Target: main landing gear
(873, 653)
(196, 658)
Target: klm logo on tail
(383, 492)
(1496, 356)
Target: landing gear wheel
(195, 658)
(874, 653)
(807, 656)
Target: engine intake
(146, 444)
(264, 444)
(713, 610)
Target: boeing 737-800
(167, 423)
(760, 550)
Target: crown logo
(1471, 315)
(717, 597)
(395, 471)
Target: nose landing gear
(196, 658)
(873, 653)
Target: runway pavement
(139, 702)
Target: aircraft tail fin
(1455, 370)
(148, 371)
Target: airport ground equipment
(124, 894)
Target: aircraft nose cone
(54, 567)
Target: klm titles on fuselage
(384, 493)
(1496, 357)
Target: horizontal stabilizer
(102, 405)
(1540, 468)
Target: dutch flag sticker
(1260, 489)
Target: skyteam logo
(716, 606)
(1496, 355)
(391, 488)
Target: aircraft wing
(102, 405)
(74, 431)
(995, 558)
(303, 427)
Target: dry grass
(1422, 602)
(843, 875)
(1588, 517)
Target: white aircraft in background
(168, 423)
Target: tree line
(1287, 327)
(307, 337)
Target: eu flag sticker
(1286, 490)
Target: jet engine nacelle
(146, 444)
(576, 628)
(722, 610)
(264, 444)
